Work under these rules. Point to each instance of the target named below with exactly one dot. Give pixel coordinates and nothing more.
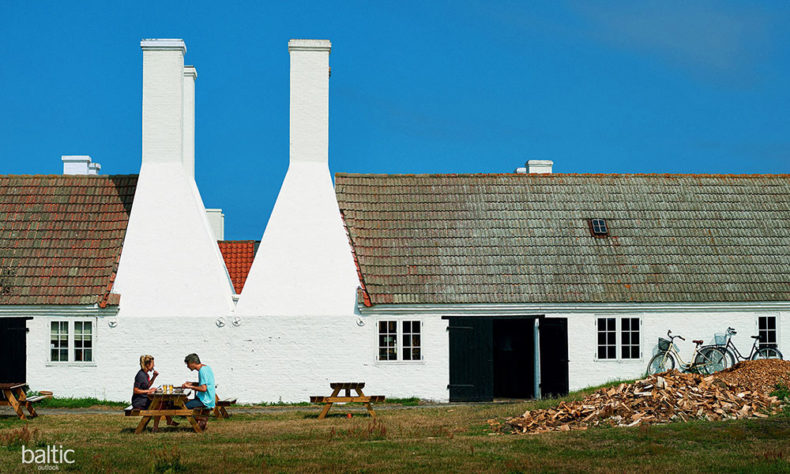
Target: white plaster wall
(263, 359)
(585, 370)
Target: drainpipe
(536, 345)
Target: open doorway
(514, 358)
(13, 349)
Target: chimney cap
(309, 45)
(190, 71)
(163, 44)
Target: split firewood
(739, 392)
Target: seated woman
(143, 385)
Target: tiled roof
(508, 238)
(238, 255)
(61, 238)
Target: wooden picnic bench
(13, 395)
(220, 405)
(166, 404)
(348, 398)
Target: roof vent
(536, 167)
(79, 164)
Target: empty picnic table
(165, 404)
(13, 395)
(348, 398)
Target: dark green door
(471, 359)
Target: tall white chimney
(190, 74)
(79, 164)
(309, 100)
(163, 97)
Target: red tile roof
(61, 238)
(238, 255)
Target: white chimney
(79, 164)
(309, 100)
(536, 167)
(216, 220)
(163, 100)
(190, 74)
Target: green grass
(76, 402)
(430, 438)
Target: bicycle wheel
(660, 362)
(710, 360)
(767, 353)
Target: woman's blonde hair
(145, 360)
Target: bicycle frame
(676, 353)
(737, 352)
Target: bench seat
(339, 399)
(226, 402)
(35, 399)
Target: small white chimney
(163, 100)
(190, 74)
(536, 167)
(309, 100)
(216, 220)
(79, 164)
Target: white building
(463, 287)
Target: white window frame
(71, 346)
(618, 331)
(776, 326)
(399, 360)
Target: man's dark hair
(193, 358)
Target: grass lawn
(433, 438)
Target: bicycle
(705, 362)
(724, 341)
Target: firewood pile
(739, 392)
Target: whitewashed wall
(586, 370)
(263, 359)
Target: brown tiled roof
(61, 238)
(238, 256)
(521, 238)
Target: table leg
(191, 417)
(9, 395)
(328, 405)
(143, 423)
(367, 405)
(23, 401)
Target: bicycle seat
(755, 337)
(697, 342)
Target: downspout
(536, 346)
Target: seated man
(205, 391)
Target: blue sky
(416, 87)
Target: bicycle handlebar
(670, 336)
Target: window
(766, 326)
(59, 341)
(618, 332)
(83, 341)
(411, 340)
(71, 341)
(607, 334)
(388, 340)
(409, 335)
(629, 338)
(598, 227)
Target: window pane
(624, 352)
(415, 340)
(601, 324)
(626, 338)
(634, 352)
(761, 323)
(54, 355)
(406, 354)
(415, 354)
(78, 356)
(392, 327)
(610, 338)
(64, 354)
(635, 338)
(601, 338)
(406, 326)
(382, 353)
(611, 352)
(406, 340)
(626, 324)
(771, 322)
(610, 324)
(382, 326)
(88, 355)
(601, 352)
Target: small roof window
(598, 227)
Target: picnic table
(13, 395)
(165, 404)
(348, 387)
(221, 404)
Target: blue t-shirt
(206, 377)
